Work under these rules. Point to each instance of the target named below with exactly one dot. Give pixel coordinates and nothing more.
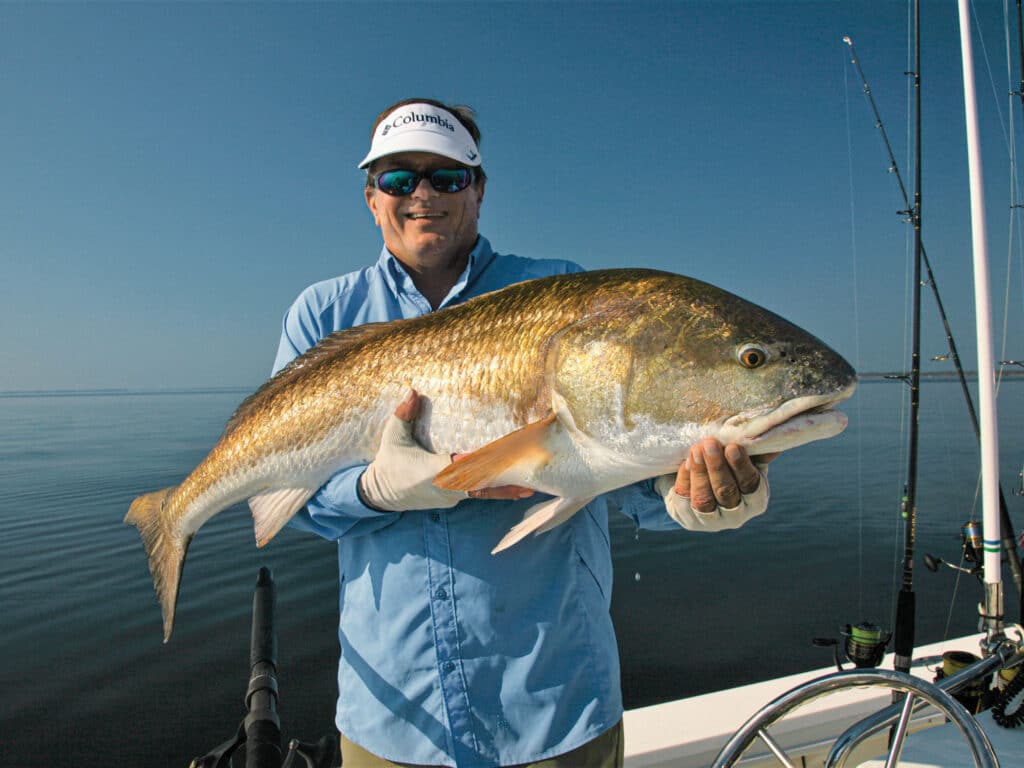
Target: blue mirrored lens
(397, 182)
(450, 179)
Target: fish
(573, 385)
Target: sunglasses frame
(419, 176)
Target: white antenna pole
(993, 609)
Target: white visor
(423, 128)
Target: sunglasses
(401, 182)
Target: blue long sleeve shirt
(451, 655)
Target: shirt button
(441, 594)
(435, 517)
(448, 666)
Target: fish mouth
(796, 422)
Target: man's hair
(464, 114)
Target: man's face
(426, 228)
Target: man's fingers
(716, 477)
(723, 482)
(682, 486)
(743, 469)
(409, 408)
(502, 492)
(702, 497)
(498, 492)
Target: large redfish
(574, 385)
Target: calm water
(86, 680)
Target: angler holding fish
(433, 407)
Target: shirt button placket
(442, 611)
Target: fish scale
(572, 384)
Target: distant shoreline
(1008, 373)
(113, 392)
(871, 376)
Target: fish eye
(752, 356)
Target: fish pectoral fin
(541, 518)
(271, 510)
(523, 450)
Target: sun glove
(718, 519)
(400, 477)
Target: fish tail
(165, 547)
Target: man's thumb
(409, 408)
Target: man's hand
(715, 477)
(498, 491)
(401, 475)
(716, 488)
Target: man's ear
(371, 203)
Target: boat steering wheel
(915, 689)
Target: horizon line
(236, 388)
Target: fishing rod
(259, 734)
(1009, 543)
(903, 632)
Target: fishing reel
(1000, 693)
(971, 543)
(862, 644)
(971, 695)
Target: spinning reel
(971, 543)
(863, 645)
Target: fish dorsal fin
(271, 510)
(329, 347)
(523, 451)
(541, 518)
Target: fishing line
(1014, 243)
(1014, 180)
(902, 416)
(991, 77)
(856, 347)
(1019, 92)
(1008, 141)
(952, 599)
(1013, 189)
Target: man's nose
(423, 189)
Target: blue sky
(172, 175)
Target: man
(449, 655)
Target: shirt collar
(400, 283)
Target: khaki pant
(603, 752)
